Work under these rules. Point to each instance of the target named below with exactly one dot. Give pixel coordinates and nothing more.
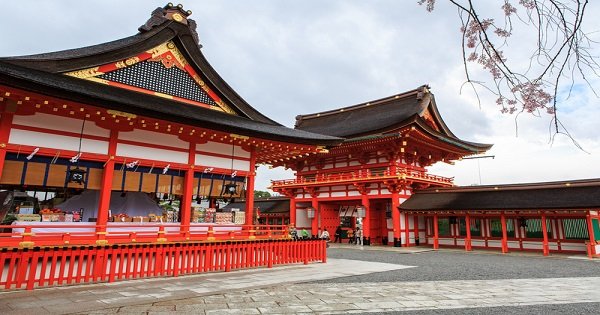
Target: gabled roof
(75, 75)
(376, 118)
(266, 205)
(577, 194)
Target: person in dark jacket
(338, 234)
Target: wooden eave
(106, 53)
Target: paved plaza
(354, 280)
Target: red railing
(29, 268)
(34, 234)
(365, 175)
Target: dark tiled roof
(86, 57)
(270, 205)
(581, 194)
(88, 92)
(363, 119)
(378, 117)
(42, 74)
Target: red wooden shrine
(378, 178)
(388, 145)
(143, 116)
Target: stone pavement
(97, 297)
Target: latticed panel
(154, 76)
(534, 228)
(576, 229)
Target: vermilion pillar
(293, 211)
(106, 185)
(592, 240)
(315, 221)
(504, 233)
(188, 190)
(407, 229)
(366, 220)
(416, 227)
(396, 219)
(250, 190)
(545, 248)
(436, 235)
(5, 126)
(468, 239)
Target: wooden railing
(30, 268)
(40, 234)
(365, 175)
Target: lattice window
(576, 229)
(154, 76)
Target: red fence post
(227, 260)
(270, 254)
(305, 250)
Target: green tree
(261, 194)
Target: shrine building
(377, 180)
(130, 147)
(388, 143)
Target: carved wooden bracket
(362, 188)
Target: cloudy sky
(297, 57)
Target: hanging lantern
(77, 175)
(361, 211)
(310, 212)
(230, 189)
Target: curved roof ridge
(361, 105)
(168, 23)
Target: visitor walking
(350, 236)
(338, 234)
(294, 233)
(359, 236)
(325, 235)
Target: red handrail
(36, 234)
(404, 173)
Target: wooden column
(250, 190)
(436, 235)
(366, 220)
(592, 240)
(504, 233)
(293, 211)
(106, 184)
(468, 239)
(314, 226)
(185, 207)
(416, 228)
(5, 126)
(396, 219)
(545, 248)
(406, 229)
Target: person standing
(304, 234)
(359, 236)
(325, 235)
(294, 233)
(338, 234)
(350, 236)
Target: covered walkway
(558, 217)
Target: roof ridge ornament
(171, 12)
